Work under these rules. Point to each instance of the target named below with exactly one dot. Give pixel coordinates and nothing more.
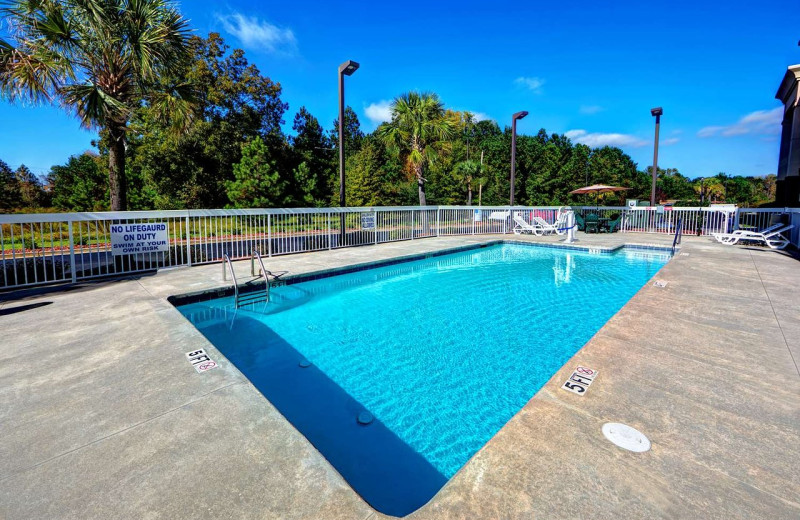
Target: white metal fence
(49, 248)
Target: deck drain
(626, 437)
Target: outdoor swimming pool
(442, 351)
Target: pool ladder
(678, 234)
(247, 298)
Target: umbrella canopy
(597, 188)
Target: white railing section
(38, 249)
(696, 221)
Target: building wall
(788, 182)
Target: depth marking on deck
(580, 380)
(200, 360)
(660, 283)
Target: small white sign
(368, 221)
(580, 380)
(132, 239)
(478, 215)
(200, 360)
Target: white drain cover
(626, 437)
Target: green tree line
(188, 122)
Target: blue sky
(580, 68)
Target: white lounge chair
(499, 215)
(540, 226)
(721, 237)
(774, 239)
(521, 226)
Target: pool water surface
(441, 352)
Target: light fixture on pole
(345, 69)
(656, 112)
(514, 118)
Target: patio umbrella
(597, 188)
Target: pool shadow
(390, 475)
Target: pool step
(252, 297)
(255, 296)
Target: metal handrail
(256, 255)
(227, 264)
(678, 234)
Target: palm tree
(417, 128)
(99, 58)
(468, 172)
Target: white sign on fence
(368, 221)
(478, 215)
(131, 239)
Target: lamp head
(656, 111)
(348, 68)
(520, 115)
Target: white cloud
(708, 131)
(477, 116)
(670, 140)
(760, 122)
(597, 139)
(533, 84)
(590, 109)
(379, 112)
(259, 34)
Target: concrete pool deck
(101, 416)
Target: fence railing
(696, 221)
(38, 249)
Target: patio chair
(521, 226)
(542, 227)
(614, 224)
(580, 222)
(592, 223)
(773, 239)
(721, 237)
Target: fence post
(269, 234)
(330, 241)
(735, 220)
(438, 211)
(412, 224)
(188, 242)
(72, 271)
(375, 226)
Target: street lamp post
(514, 118)
(345, 69)
(656, 112)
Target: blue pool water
(441, 351)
